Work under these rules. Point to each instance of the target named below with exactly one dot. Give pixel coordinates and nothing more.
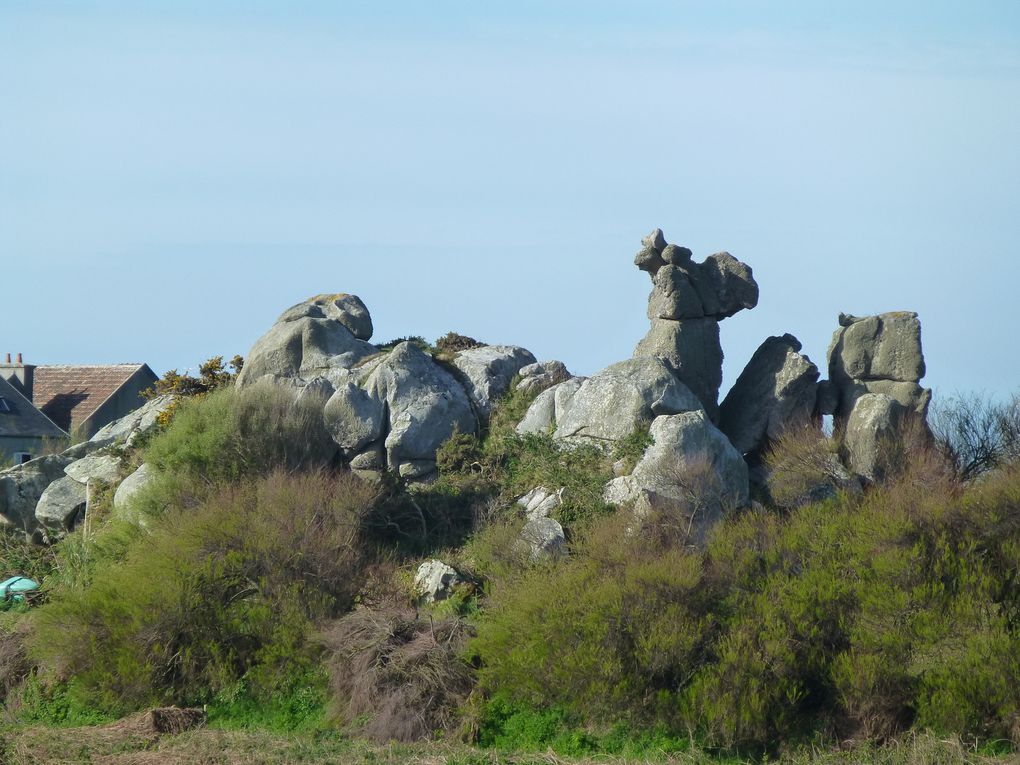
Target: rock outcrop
(687, 302)
(543, 537)
(778, 388)
(871, 430)
(424, 404)
(310, 339)
(488, 370)
(875, 368)
(540, 502)
(22, 486)
(610, 405)
(132, 485)
(549, 407)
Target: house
(80, 398)
(25, 432)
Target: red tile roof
(69, 394)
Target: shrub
(857, 617)
(453, 342)
(234, 433)
(803, 466)
(397, 674)
(976, 433)
(222, 591)
(602, 634)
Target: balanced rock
(878, 354)
(691, 469)
(488, 370)
(349, 310)
(612, 404)
(777, 389)
(310, 339)
(542, 375)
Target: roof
(70, 393)
(20, 418)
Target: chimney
(19, 374)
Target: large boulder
(354, 417)
(871, 432)
(691, 469)
(776, 389)
(61, 506)
(692, 348)
(99, 466)
(612, 404)
(424, 403)
(549, 407)
(488, 370)
(22, 486)
(132, 485)
(310, 339)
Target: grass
(124, 744)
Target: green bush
(233, 433)
(210, 595)
(856, 618)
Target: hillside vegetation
(261, 581)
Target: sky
(173, 175)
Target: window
(4, 406)
(22, 457)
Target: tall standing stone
(687, 302)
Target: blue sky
(174, 175)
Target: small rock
(543, 538)
(542, 375)
(540, 502)
(435, 581)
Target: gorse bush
(234, 433)
(858, 618)
(212, 594)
